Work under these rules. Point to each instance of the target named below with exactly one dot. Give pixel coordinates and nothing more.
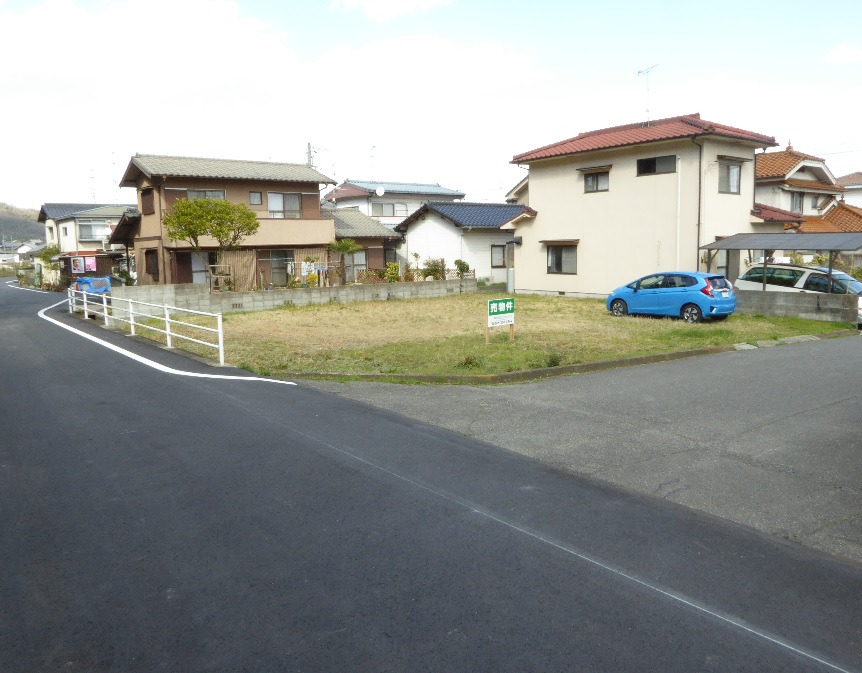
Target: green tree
(342, 248)
(228, 223)
(46, 254)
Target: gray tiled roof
(58, 211)
(193, 167)
(473, 215)
(350, 223)
(406, 188)
(103, 211)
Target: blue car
(689, 295)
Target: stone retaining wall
(809, 305)
(199, 298)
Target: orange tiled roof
(686, 126)
(773, 214)
(851, 179)
(779, 164)
(810, 185)
(840, 219)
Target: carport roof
(831, 242)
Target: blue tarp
(93, 285)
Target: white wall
(435, 237)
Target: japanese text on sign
(501, 312)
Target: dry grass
(447, 336)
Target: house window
(656, 165)
(151, 263)
(205, 194)
(796, 200)
(562, 259)
(729, 178)
(93, 230)
(255, 198)
(284, 205)
(401, 210)
(596, 182)
(814, 201)
(384, 209)
(498, 256)
(50, 233)
(65, 231)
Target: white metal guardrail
(136, 313)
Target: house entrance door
(182, 271)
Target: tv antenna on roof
(645, 73)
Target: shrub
(462, 268)
(311, 280)
(391, 275)
(435, 268)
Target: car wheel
(719, 317)
(619, 308)
(691, 313)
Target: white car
(797, 278)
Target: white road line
(145, 361)
(14, 284)
(729, 620)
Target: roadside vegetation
(446, 336)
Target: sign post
(500, 312)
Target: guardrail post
(105, 308)
(71, 300)
(85, 304)
(131, 315)
(220, 340)
(168, 326)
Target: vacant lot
(447, 336)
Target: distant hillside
(19, 223)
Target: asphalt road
(156, 521)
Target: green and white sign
(501, 312)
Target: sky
(429, 91)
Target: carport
(769, 243)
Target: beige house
(285, 198)
(623, 202)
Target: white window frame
(283, 212)
(726, 170)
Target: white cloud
(382, 10)
(845, 53)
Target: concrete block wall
(199, 298)
(809, 305)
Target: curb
(544, 373)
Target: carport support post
(766, 255)
(832, 254)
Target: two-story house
(622, 202)
(81, 231)
(284, 197)
(852, 183)
(388, 202)
(795, 181)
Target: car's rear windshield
(718, 283)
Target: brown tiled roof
(686, 126)
(779, 164)
(810, 185)
(840, 219)
(851, 179)
(772, 214)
